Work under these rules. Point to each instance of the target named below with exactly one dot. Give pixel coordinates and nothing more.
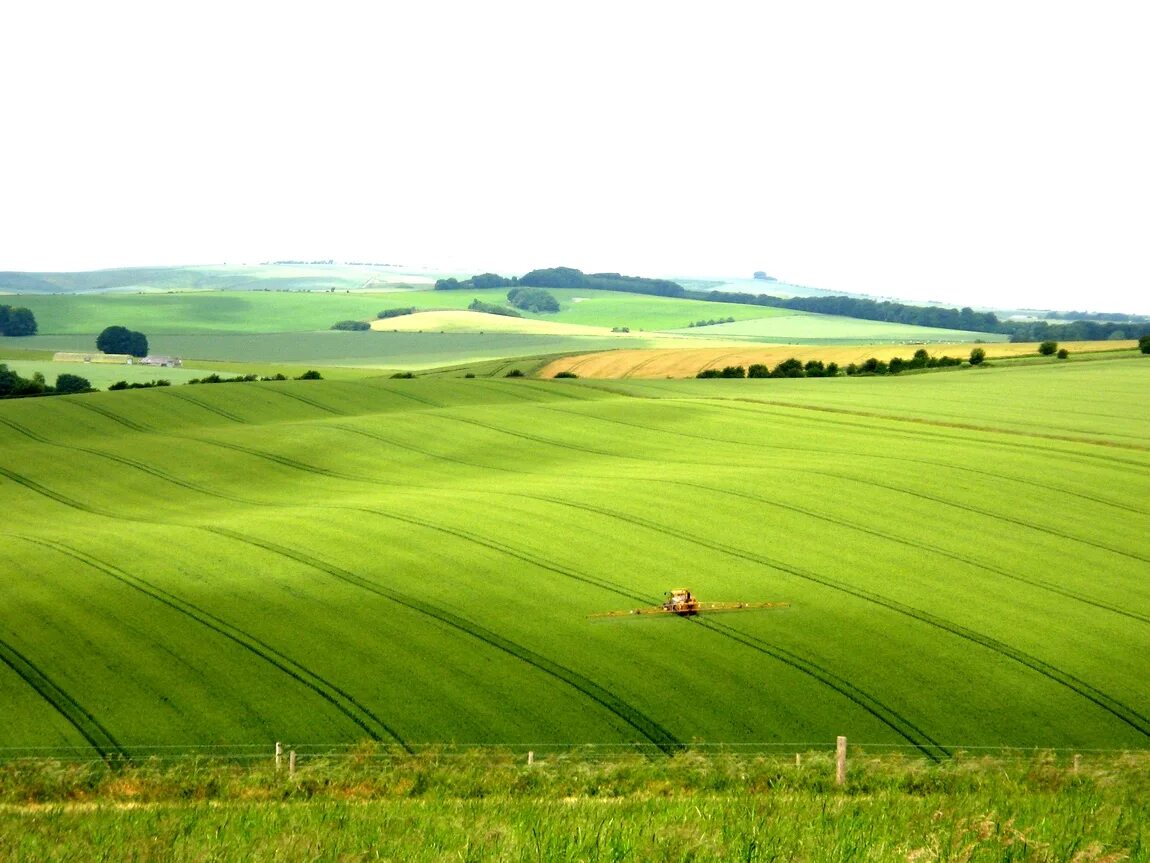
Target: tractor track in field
(869, 703)
(994, 516)
(108, 415)
(220, 412)
(417, 450)
(934, 549)
(760, 407)
(1060, 438)
(412, 397)
(646, 726)
(925, 462)
(1111, 705)
(902, 726)
(307, 401)
(44, 491)
(343, 701)
(875, 455)
(922, 495)
(73, 712)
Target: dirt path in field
(688, 362)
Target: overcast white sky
(975, 152)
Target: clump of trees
(14, 386)
(121, 340)
(395, 313)
(1144, 344)
(620, 329)
(351, 325)
(711, 322)
(534, 300)
(1048, 349)
(566, 374)
(477, 305)
(17, 321)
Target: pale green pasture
(380, 350)
(416, 561)
(805, 328)
(103, 375)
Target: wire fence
(580, 751)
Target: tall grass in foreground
(493, 806)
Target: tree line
(567, 277)
(793, 367)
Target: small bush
(514, 373)
(566, 375)
(403, 375)
(469, 375)
(1047, 349)
(1063, 353)
(977, 357)
(310, 375)
(1144, 344)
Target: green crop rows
(415, 561)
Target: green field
(964, 555)
(702, 807)
(245, 312)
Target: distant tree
(1144, 344)
(921, 358)
(514, 373)
(815, 369)
(351, 325)
(1063, 353)
(17, 322)
(758, 370)
(395, 313)
(788, 368)
(566, 374)
(897, 364)
(535, 300)
(1047, 349)
(310, 375)
(121, 340)
(977, 356)
(67, 384)
(733, 372)
(832, 370)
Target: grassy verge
(487, 805)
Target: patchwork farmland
(415, 561)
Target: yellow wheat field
(688, 362)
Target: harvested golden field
(688, 362)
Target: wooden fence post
(1077, 762)
(530, 758)
(798, 759)
(841, 762)
(291, 763)
(279, 754)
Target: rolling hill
(415, 562)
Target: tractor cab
(682, 602)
